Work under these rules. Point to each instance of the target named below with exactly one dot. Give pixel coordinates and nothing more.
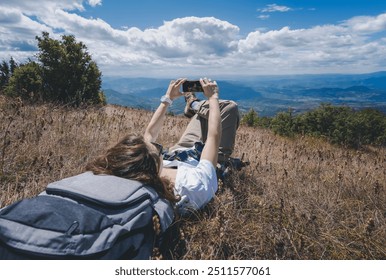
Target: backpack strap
(111, 192)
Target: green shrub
(283, 124)
(250, 118)
(340, 125)
(64, 73)
(26, 82)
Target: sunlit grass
(299, 198)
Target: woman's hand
(210, 88)
(154, 127)
(173, 91)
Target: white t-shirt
(196, 185)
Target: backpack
(85, 217)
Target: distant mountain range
(265, 94)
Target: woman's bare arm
(157, 120)
(210, 151)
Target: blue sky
(247, 14)
(183, 38)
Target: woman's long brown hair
(131, 158)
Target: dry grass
(299, 198)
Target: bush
(264, 122)
(65, 73)
(371, 126)
(344, 126)
(26, 82)
(250, 118)
(340, 125)
(283, 124)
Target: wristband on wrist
(165, 99)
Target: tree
(4, 74)
(6, 71)
(68, 72)
(26, 82)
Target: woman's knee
(231, 108)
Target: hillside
(299, 198)
(267, 95)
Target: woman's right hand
(173, 91)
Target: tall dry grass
(298, 199)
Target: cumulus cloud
(367, 24)
(42, 7)
(181, 37)
(196, 44)
(18, 33)
(193, 35)
(326, 48)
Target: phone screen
(192, 86)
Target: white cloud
(196, 44)
(94, 3)
(263, 17)
(271, 8)
(318, 49)
(367, 24)
(88, 29)
(42, 7)
(17, 34)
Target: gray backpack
(84, 217)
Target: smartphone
(192, 86)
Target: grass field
(299, 198)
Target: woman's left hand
(210, 88)
(173, 91)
